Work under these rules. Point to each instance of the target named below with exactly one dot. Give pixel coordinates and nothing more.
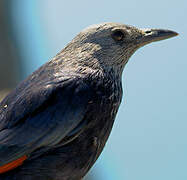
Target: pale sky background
(149, 138)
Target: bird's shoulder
(35, 92)
(48, 81)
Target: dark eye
(118, 35)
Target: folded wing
(41, 116)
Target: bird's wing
(41, 116)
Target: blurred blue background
(149, 137)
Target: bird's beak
(152, 35)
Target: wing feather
(41, 116)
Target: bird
(56, 122)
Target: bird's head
(112, 44)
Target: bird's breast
(101, 115)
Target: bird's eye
(118, 35)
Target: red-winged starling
(54, 124)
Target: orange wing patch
(12, 165)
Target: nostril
(148, 31)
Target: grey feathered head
(112, 44)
